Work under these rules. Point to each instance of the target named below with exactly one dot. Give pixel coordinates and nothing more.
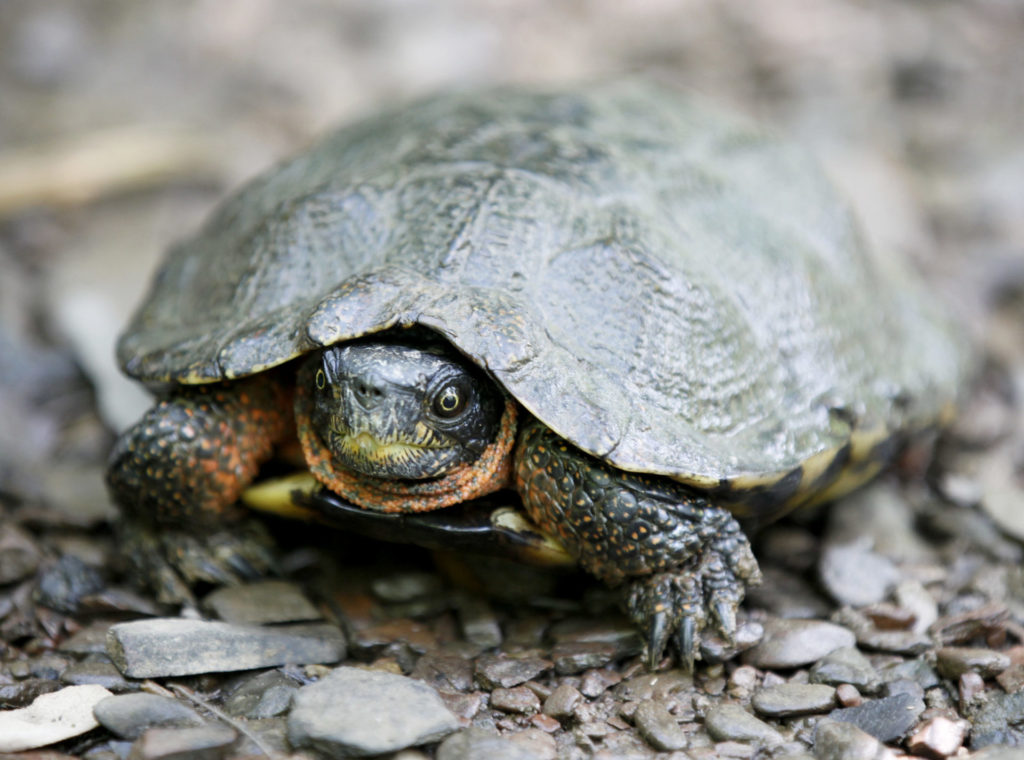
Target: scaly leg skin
(684, 563)
(177, 474)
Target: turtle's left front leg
(685, 563)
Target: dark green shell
(663, 286)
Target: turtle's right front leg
(177, 473)
(684, 563)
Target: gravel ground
(892, 623)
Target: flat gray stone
(479, 744)
(846, 665)
(844, 741)
(262, 696)
(50, 718)
(518, 699)
(261, 603)
(730, 722)
(997, 721)
(129, 715)
(356, 713)
(210, 742)
(176, 646)
(562, 701)
(656, 724)
(792, 643)
(573, 657)
(90, 640)
(953, 662)
(500, 670)
(788, 700)
(99, 673)
(885, 719)
(854, 574)
(19, 555)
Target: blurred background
(122, 123)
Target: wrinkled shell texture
(663, 286)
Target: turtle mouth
(366, 453)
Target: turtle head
(398, 411)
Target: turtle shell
(664, 286)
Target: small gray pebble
(846, 665)
(262, 696)
(479, 744)
(261, 603)
(494, 670)
(210, 742)
(793, 643)
(843, 741)
(562, 701)
(886, 719)
(358, 712)
(787, 700)
(730, 722)
(952, 662)
(129, 715)
(577, 656)
(63, 585)
(656, 724)
(100, 673)
(515, 700)
(854, 574)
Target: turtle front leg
(683, 562)
(177, 473)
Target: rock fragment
(502, 670)
(938, 738)
(478, 743)
(886, 719)
(572, 657)
(730, 722)
(99, 673)
(129, 715)
(656, 724)
(50, 718)
(952, 662)
(791, 643)
(516, 700)
(176, 646)
(846, 665)
(262, 696)
(355, 713)
(788, 700)
(261, 603)
(854, 574)
(834, 740)
(209, 742)
(562, 701)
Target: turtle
(653, 321)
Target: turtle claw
(725, 618)
(658, 631)
(679, 605)
(686, 638)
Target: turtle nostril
(368, 394)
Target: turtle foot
(173, 561)
(677, 606)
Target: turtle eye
(320, 380)
(450, 401)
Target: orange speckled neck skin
(491, 472)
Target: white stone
(51, 718)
